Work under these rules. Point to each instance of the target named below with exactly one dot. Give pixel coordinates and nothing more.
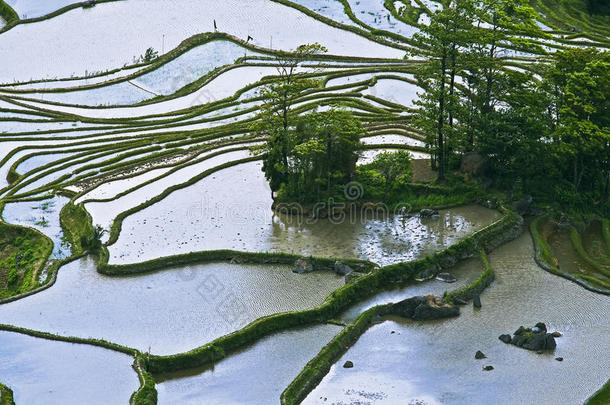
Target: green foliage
(394, 168)
(601, 397)
(23, 254)
(149, 55)
(7, 13)
(77, 227)
(319, 158)
(6, 395)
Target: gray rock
(348, 364)
(425, 308)
(505, 338)
(427, 212)
(303, 265)
(476, 301)
(488, 368)
(479, 355)
(446, 277)
(342, 268)
(541, 326)
(556, 334)
(559, 358)
(427, 274)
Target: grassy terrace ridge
(545, 259)
(8, 14)
(6, 395)
(23, 254)
(601, 397)
(378, 280)
(320, 365)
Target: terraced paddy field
(141, 260)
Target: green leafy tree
(394, 167)
(440, 42)
(580, 83)
(276, 119)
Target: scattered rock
(348, 364)
(476, 301)
(427, 274)
(536, 339)
(303, 265)
(488, 368)
(427, 212)
(425, 308)
(342, 268)
(559, 358)
(446, 277)
(540, 326)
(393, 332)
(556, 334)
(505, 338)
(479, 355)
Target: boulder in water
(479, 355)
(342, 268)
(424, 308)
(303, 265)
(446, 277)
(348, 364)
(505, 338)
(427, 212)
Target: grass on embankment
(23, 254)
(77, 226)
(8, 13)
(6, 395)
(601, 397)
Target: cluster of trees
(546, 133)
(308, 157)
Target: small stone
(348, 364)
(556, 334)
(488, 368)
(541, 326)
(476, 301)
(505, 338)
(446, 277)
(479, 355)
(392, 332)
(559, 358)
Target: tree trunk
(441, 113)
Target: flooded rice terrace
(138, 118)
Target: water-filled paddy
(46, 372)
(256, 374)
(231, 209)
(168, 311)
(434, 361)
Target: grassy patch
(23, 253)
(76, 224)
(601, 397)
(6, 395)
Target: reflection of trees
(317, 237)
